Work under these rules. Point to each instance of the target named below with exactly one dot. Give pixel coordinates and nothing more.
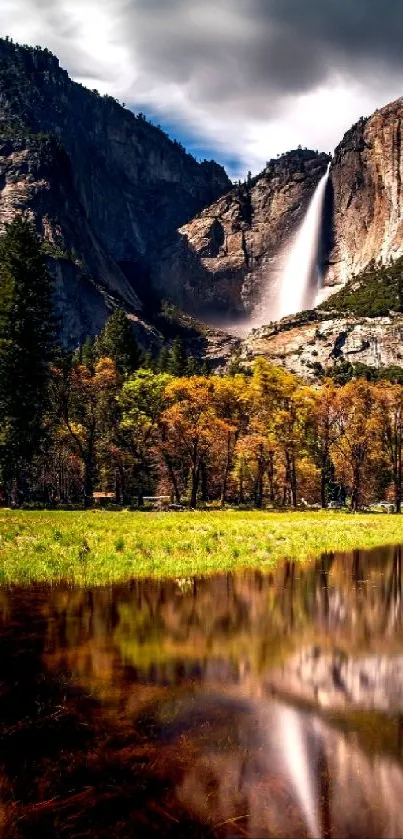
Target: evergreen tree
(85, 354)
(117, 341)
(147, 361)
(27, 329)
(163, 360)
(193, 366)
(88, 353)
(177, 359)
(234, 366)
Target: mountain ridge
(128, 218)
(128, 184)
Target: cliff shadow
(327, 239)
(189, 280)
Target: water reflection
(239, 705)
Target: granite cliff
(220, 262)
(104, 186)
(231, 252)
(366, 182)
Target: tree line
(107, 418)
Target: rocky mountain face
(229, 255)
(367, 201)
(129, 218)
(221, 260)
(104, 186)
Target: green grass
(95, 548)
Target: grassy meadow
(96, 548)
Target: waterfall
(298, 285)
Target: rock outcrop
(224, 259)
(104, 186)
(311, 343)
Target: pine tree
(27, 330)
(147, 360)
(177, 359)
(85, 354)
(163, 360)
(193, 366)
(234, 366)
(117, 341)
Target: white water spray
(297, 291)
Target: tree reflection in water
(237, 705)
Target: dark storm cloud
(231, 49)
(229, 71)
(250, 51)
(360, 29)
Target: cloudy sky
(237, 80)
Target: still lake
(238, 705)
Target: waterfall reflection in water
(238, 705)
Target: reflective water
(234, 706)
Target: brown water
(234, 706)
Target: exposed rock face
(37, 175)
(366, 176)
(302, 343)
(104, 186)
(224, 258)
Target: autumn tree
(325, 430)
(254, 451)
(190, 425)
(291, 423)
(86, 401)
(261, 445)
(280, 404)
(231, 407)
(353, 448)
(389, 414)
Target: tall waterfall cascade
(299, 282)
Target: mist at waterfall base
(298, 286)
